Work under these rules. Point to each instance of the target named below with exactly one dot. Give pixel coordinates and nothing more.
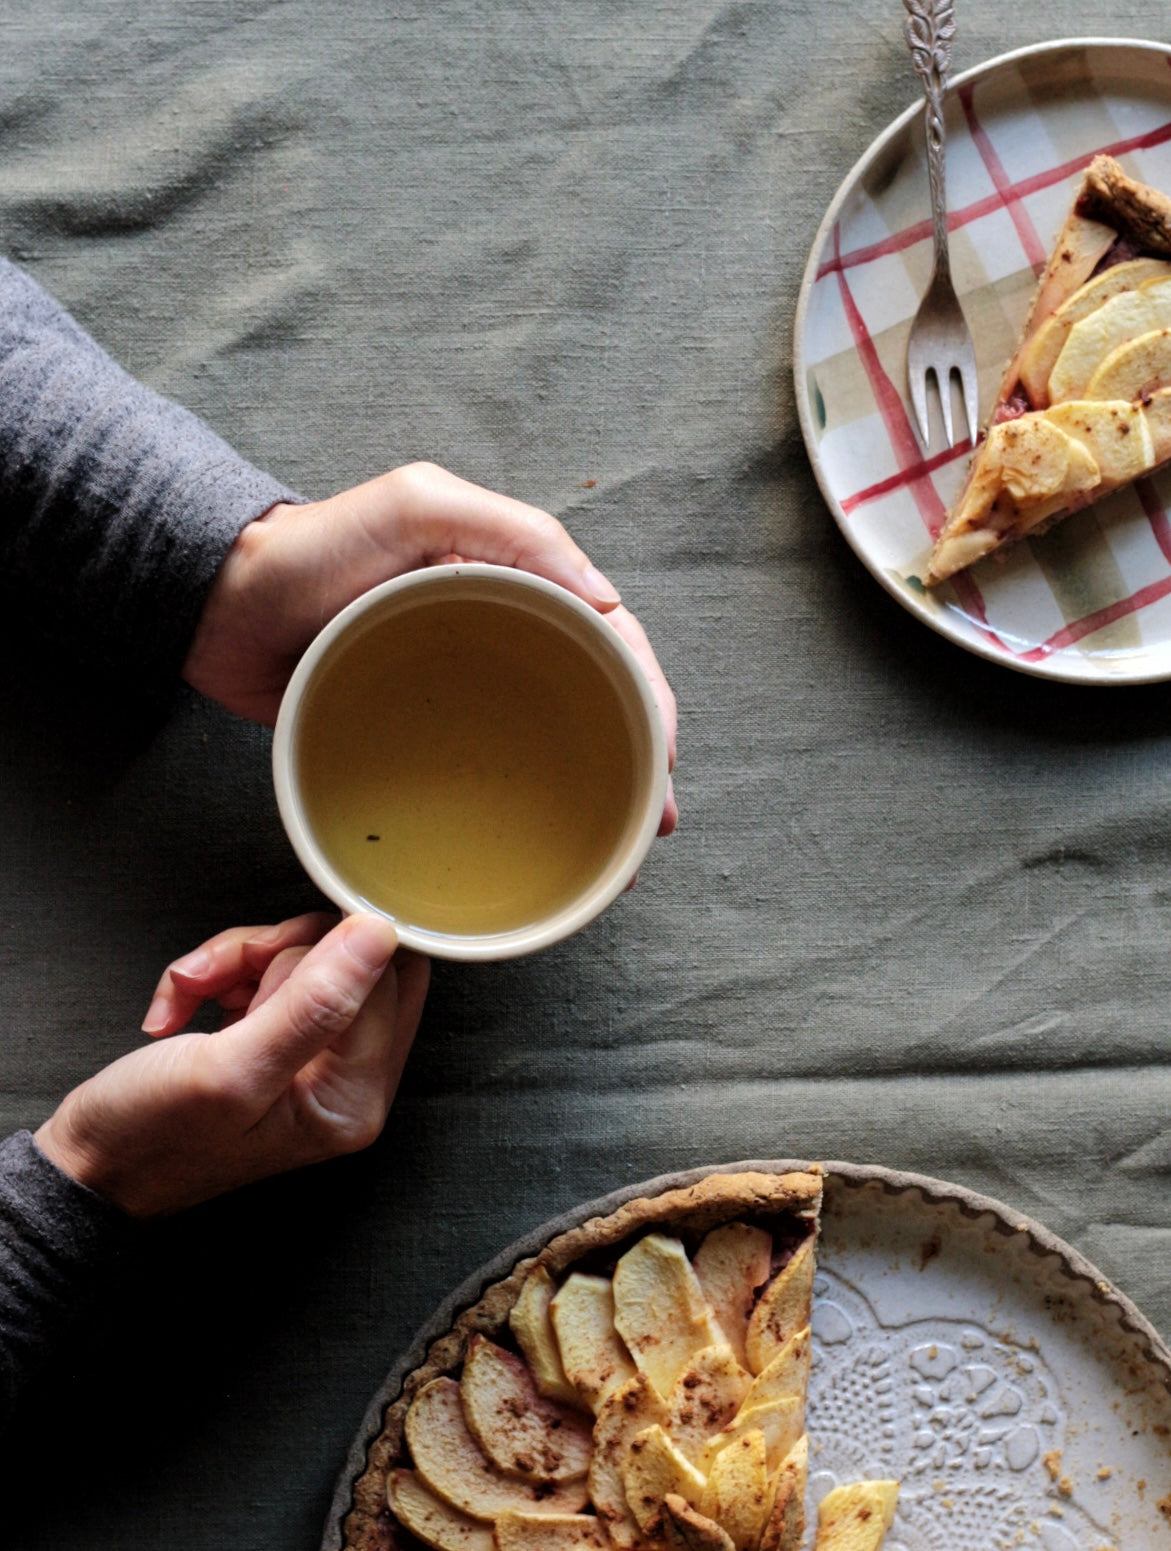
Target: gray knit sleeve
(58, 1244)
(116, 505)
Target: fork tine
(918, 383)
(943, 383)
(970, 388)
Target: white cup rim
(623, 666)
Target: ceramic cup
(460, 729)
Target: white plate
(1091, 601)
(1020, 1399)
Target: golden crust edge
(715, 1199)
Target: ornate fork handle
(930, 30)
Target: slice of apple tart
(639, 1385)
(1084, 406)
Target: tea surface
(465, 767)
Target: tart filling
(639, 1385)
(1084, 406)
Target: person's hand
(293, 569)
(307, 1071)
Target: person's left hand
(293, 569)
(320, 1024)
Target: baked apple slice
(707, 1395)
(784, 1528)
(1037, 357)
(732, 1264)
(686, 1529)
(655, 1468)
(592, 1352)
(786, 1376)
(1135, 369)
(433, 1521)
(736, 1493)
(550, 1532)
(450, 1462)
(532, 1326)
(625, 1413)
(520, 1431)
(1113, 323)
(857, 1516)
(782, 1309)
(660, 1310)
(781, 1421)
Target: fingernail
(156, 1016)
(603, 591)
(371, 940)
(193, 964)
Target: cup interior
(476, 754)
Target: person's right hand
(307, 1072)
(290, 571)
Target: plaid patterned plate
(1089, 602)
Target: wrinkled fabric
(918, 908)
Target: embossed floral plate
(1089, 602)
(1021, 1400)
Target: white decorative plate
(1090, 602)
(1020, 1399)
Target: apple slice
(451, 1463)
(783, 1307)
(654, 1467)
(1157, 410)
(686, 1529)
(785, 1527)
(532, 1326)
(520, 1431)
(550, 1532)
(736, 1494)
(707, 1395)
(1122, 318)
(856, 1517)
(1080, 246)
(592, 1352)
(732, 1263)
(625, 1412)
(781, 1421)
(1029, 461)
(1135, 370)
(1114, 433)
(1041, 349)
(431, 1520)
(660, 1310)
(786, 1377)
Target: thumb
(316, 1004)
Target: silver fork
(940, 342)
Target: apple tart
(638, 1385)
(1084, 406)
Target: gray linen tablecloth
(917, 910)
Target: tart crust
(716, 1199)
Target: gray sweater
(116, 505)
(116, 510)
